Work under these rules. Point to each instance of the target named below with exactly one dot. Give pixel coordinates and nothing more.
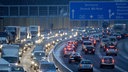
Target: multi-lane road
(121, 60)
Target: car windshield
(105, 40)
(17, 69)
(89, 47)
(11, 59)
(108, 60)
(112, 39)
(39, 54)
(48, 66)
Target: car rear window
(88, 43)
(108, 60)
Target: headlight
(16, 64)
(35, 64)
(32, 62)
(65, 37)
(36, 41)
(57, 40)
(1, 46)
(72, 30)
(32, 54)
(48, 44)
(20, 53)
(70, 37)
(53, 42)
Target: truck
(119, 28)
(10, 53)
(24, 34)
(4, 37)
(14, 32)
(34, 30)
(4, 65)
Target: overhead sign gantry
(82, 10)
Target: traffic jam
(26, 49)
(100, 43)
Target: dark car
(89, 49)
(85, 65)
(107, 61)
(75, 57)
(17, 69)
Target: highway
(120, 60)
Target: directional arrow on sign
(73, 13)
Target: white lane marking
(99, 54)
(49, 56)
(123, 55)
(122, 70)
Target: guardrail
(60, 66)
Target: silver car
(85, 65)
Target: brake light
(93, 49)
(80, 65)
(85, 49)
(94, 41)
(65, 52)
(102, 60)
(113, 61)
(106, 49)
(91, 65)
(115, 49)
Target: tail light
(80, 65)
(115, 49)
(91, 65)
(106, 49)
(85, 49)
(113, 61)
(102, 60)
(94, 41)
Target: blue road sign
(98, 10)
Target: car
(103, 42)
(96, 37)
(75, 57)
(85, 65)
(85, 43)
(68, 51)
(17, 69)
(118, 36)
(107, 61)
(111, 52)
(108, 46)
(113, 40)
(89, 49)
